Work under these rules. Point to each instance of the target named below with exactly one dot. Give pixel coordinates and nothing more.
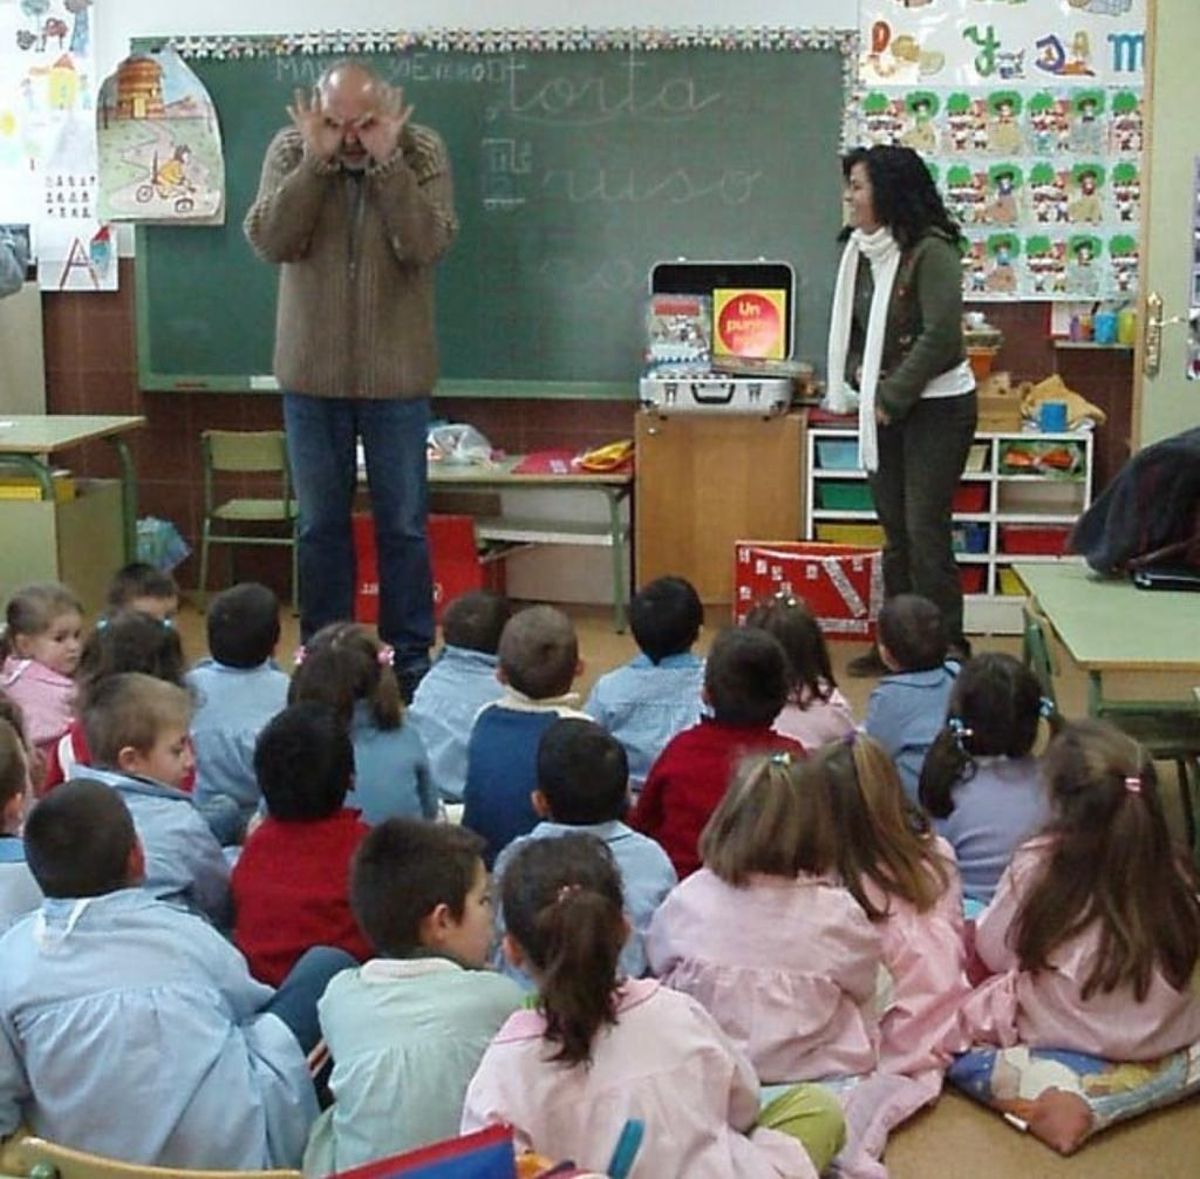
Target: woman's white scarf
(883, 254)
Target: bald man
(355, 206)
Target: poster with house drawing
(48, 141)
(159, 144)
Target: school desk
(500, 477)
(73, 540)
(1108, 625)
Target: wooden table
(501, 477)
(1109, 625)
(28, 440)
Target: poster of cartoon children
(160, 143)
(1031, 114)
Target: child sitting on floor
(657, 693)
(291, 883)
(408, 1029)
(539, 660)
(132, 1029)
(345, 666)
(980, 781)
(766, 939)
(816, 711)
(745, 684)
(141, 587)
(136, 727)
(598, 1051)
(237, 690)
(583, 787)
(908, 706)
(19, 893)
(40, 645)
(461, 682)
(1094, 932)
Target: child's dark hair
(78, 840)
(10, 711)
(666, 616)
(882, 837)
(32, 611)
(810, 673)
(402, 871)
(993, 711)
(745, 677)
(475, 621)
(1110, 861)
(131, 709)
(539, 652)
(14, 763)
(130, 641)
(913, 630)
(344, 663)
(243, 625)
(136, 580)
(583, 771)
(564, 908)
(304, 762)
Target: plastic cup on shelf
(1104, 327)
(1052, 417)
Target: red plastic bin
(973, 578)
(1045, 539)
(970, 497)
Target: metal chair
(246, 452)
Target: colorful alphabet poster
(1029, 115)
(159, 143)
(48, 170)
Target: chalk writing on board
(594, 184)
(504, 160)
(613, 274)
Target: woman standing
(896, 337)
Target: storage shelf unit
(1025, 491)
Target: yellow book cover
(749, 322)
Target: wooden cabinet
(705, 481)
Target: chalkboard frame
(759, 40)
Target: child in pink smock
(816, 712)
(39, 649)
(1094, 932)
(598, 1051)
(766, 938)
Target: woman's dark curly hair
(906, 199)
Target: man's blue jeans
(321, 435)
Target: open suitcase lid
(685, 277)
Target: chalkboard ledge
(515, 390)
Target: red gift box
(452, 553)
(842, 583)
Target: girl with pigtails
(600, 1050)
(980, 781)
(1094, 932)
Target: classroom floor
(958, 1138)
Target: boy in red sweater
(745, 685)
(291, 885)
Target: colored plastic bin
(849, 497)
(866, 534)
(969, 537)
(837, 454)
(973, 578)
(1045, 539)
(970, 497)
(1011, 584)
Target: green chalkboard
(574, 173)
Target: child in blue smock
(237, 690)
(408, 1029)
(19, 893)
(583, 789)
(136, 728)
(908, 706)
(461, 682)
(130, 1028)
(345, 666)
(657, 693)
(981, 782)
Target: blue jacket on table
(502, 766)
(184, 861)
(448, 699)
(644, 704)
(904, 714)
(130, 1029)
